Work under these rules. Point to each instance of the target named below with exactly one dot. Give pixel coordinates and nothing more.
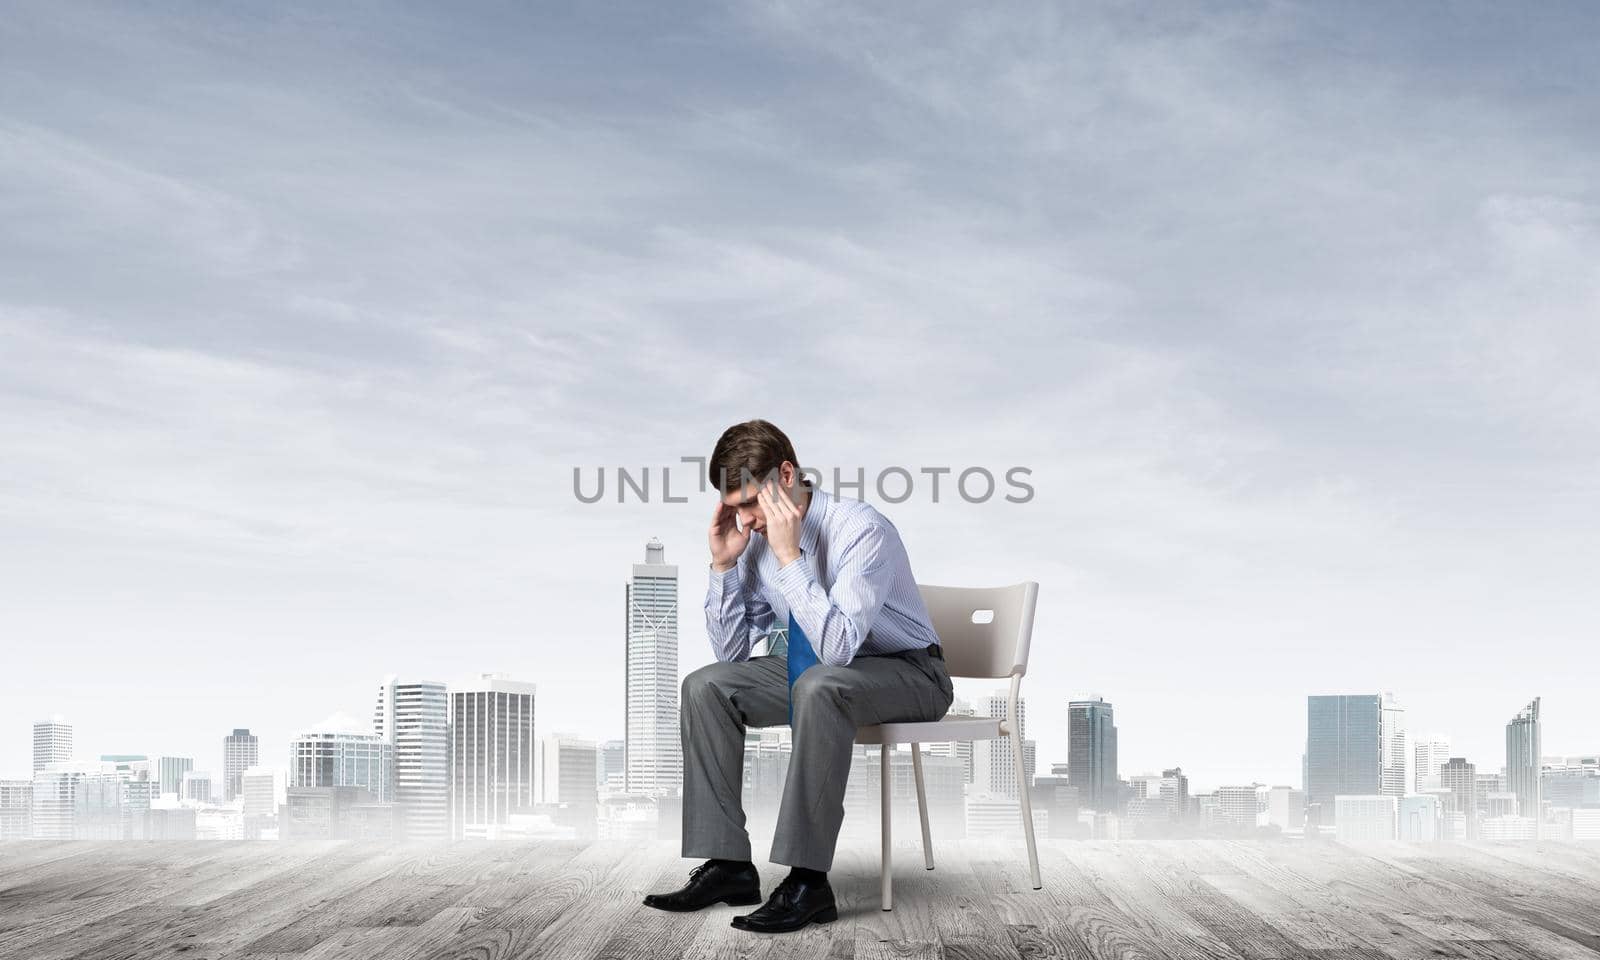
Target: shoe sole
(730, 901)
(825, 915)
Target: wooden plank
(1251, 936)
(1204, 898)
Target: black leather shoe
(793, 905)
(712, 882)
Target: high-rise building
(1431, 753)
(1092, 753)
(262, 790)
(340, 752)
(564, 778)
(415, 718)
(611, 773)
(491, 754)
(1421, 818)
(1461, 779)
(1394, 759)
(1522, 762)
(16, 809)
(1286, 809)
(196, 785)
(52, 742)
(994, 764)
(1242, 806)
(1174, 791)
(960, 749)
(1346, 750)
(240, 750)
(170, 771)
(650, 618)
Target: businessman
(860, 651)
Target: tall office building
(241, 750)
(1431, 753)
(564, 777)
(994, 765)
(1355, 746)
(491, 754)
(1461, 779)
(960, 749)
(1286, 809)
(1092, 753)
(170, 771)
(196, 785)
(650, 618)
(1522, 763)
(610, 773)
(52, 742)
(1394, 759)
(415, 718)
(340, 753)
(1242, 806)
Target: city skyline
(1388, 743)
(472, 762)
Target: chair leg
(1027, 808)
(888, 861)
(922, 804)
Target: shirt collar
(811, 524)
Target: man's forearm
(727, 622)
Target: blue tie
(801, 656)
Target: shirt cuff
(724, 582)
(794, 580)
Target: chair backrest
(985, 631)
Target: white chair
(985, 632)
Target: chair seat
(933, 731)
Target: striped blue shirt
(851, 590)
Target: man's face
(743, 501)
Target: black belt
(934, 650)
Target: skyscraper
(994, 766)
(52, 742)
(1092, 753)
(1461, 779)
(650, 618)
(960, 749)
(339, 752)
(1350, 750)
(415, 718)
(1431, 753)
(564, 777)
(611, 771)
(491, 754)
(240, 751)
(1522, 762)
(170, 771)
(1394, 759)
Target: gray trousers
(722, 699)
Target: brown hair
(755, 447)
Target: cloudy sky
(307, 315)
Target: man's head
(747, 455)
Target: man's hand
(727, 540)
(783, 523)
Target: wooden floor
(1180, 898)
